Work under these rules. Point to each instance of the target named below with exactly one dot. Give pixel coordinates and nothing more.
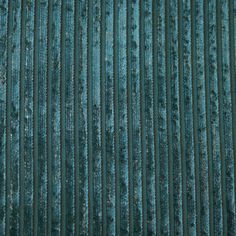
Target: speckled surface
(117, 117)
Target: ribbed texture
(117, 117)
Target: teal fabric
(117, 117)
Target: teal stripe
(227, 117)
(117, 117)
(62, 119)
(155, 115)
(3, 115)
(35, 119)
(13, 118)
(69, 116)
(168, 99)
(42, 117)
(96, 116)
(109, 119)
(89, 104)
(22, 74)
(142, 110)
(49, 118)
(201, 116)
(55, 117)
(221, 127)
(83, 116)
(103, 114)
(214, 116)
(8, 121)
(76, 115)
(148, 108)
(208, 124)
(130, 116)
(163, 177)
(181, 114)
(188, 122)
(28, 113)
(122, 117)
(232, 72)
(134, 114)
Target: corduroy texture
(117, 117)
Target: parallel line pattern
(117, 117)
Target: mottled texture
(117, 117)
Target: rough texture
(117, 117)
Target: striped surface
(117, 117)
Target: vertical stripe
(117, 117)
(8, 121)
(53, 94)
(163, 177)
(168, 95)
(94, 125)
(142, 110)
(195, 120)
(69, 116)
(109, 118)
(55, 117)
(89, 104)
(83, 116)
(49, 117)
(122, 151)
(42, 116)
(149, 138)
(62, 120)
(214, 120)
(222, 144)
(13, 118)
(201, 116)
(227, 119)
(174, 119)
(155, 115)
(103, 118)
(76, 115)
(35, 118)
(209, 142)
(182, 108)
(130, 117)
(28, 118)
(135, 129)
(96, 117)
(232, 39)
(3, 104)
(21, 117)
(187, 116)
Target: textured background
(117, 117)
